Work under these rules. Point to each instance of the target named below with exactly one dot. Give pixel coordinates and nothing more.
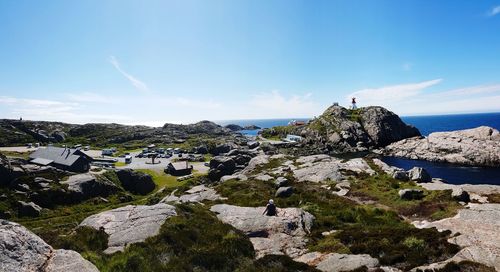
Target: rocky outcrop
(476, 147)
(284, 191)
(419, 174)
(318, 168)
(334, 262)
(476, 192)
(233, 161)
(130, 224)
(339, 129)
(233, 127)
(85, 186)
(477, 229)
(21, 250)
(136, 182)
(29, 209)
(196, 194)
(281, 234)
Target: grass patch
(120, 164)
(19, 155)
(162, 179)
(384, 189)
(494, 198)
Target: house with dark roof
(179, 168)
(68, 159)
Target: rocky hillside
(340, 129)
(476, 147)
(15, 132)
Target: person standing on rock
(354, 103)
(270, 209)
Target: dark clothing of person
(354, 100)
(271, 210)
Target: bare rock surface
(22, 250)
(318, 168)
(478, 229)
(281, 234)
(334, 262)
(87, 185)
(476, 147)
(196, 194)
(130, 224)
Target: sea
(453, 174)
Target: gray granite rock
(477, 147)
(130, 224)
(29, 209)
(196, 194)
(334, 262)
(284, 191)
(281, 234)
(22, 250)
(419, 174)
(477, 227)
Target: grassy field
(162, 179)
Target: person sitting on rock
(270, 209)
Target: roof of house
(58, 155)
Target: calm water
(426, 124)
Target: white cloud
(138, 84)
(89, 97)
(410, 99)
(393, 93)
(37, 107)
(276, 105)
(494, 11)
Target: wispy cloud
(414, 98)
(138, 84)
(89, 97)
(392, 93)
(37, 107)
(494, 11)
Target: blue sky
(150, 62)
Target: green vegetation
(494, 198)
(361, 228)
(162, 179)
(195, 240)
(384, 190)
(14, 154)
(120, 164)
(277, 133)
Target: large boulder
(221, 149)
(411, 194)
(281, 234)
(21, 250)
(419, 174)
(284, 191)
(221, 166)
(476, 147)
(319, 168)
(130, 224)
(29, 209)
(135, 182)
(85, 186)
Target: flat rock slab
(22, 250)
(281, 234)
(196, 194)
(334, 262)
(130, 224)
(318, 168)
(479, 228)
